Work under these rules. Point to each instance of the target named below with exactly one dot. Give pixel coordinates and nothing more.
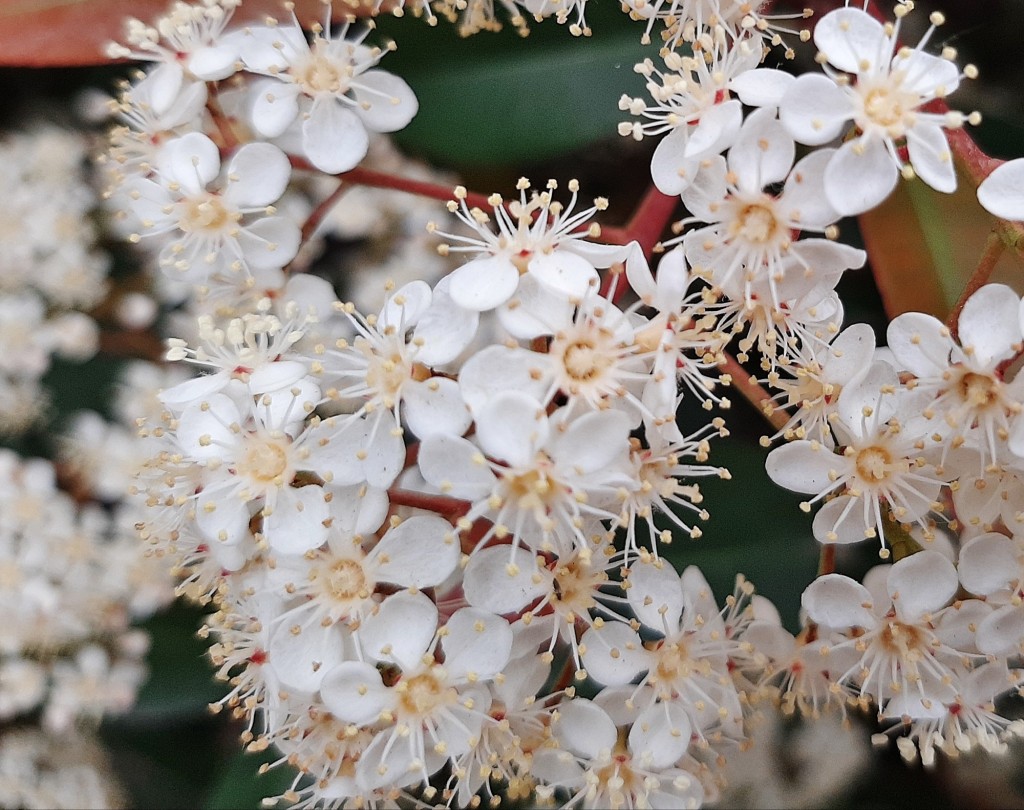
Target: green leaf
(181, 683)
(240, 785)
(502, 99)
(756, 528)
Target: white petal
(850, 353)
(988, 563)
(852, 40)
(354, 692)
(477, 644)
(990, 325)
(445, 329)
(386, 102)
(576, 444)
(930, 156)
(656, 595)
(485, 283)
(1002, 192)
(814, 110)
(275, 106)
(420, 552)
(511, 427)
(761, 87)
(763, 152)
(285, 409)
(211, 63)
(401, 630)
(434, 406)
(921, 343)
(614, 654)
(493, 583)
(860, 177)
(564, 272)
(926, 74)
(872, 392)
(302, 659)
(222, 519)
(191, 161)
(584, 728)
(1002, 632)
(205, 428)
(804, 466)
(671, 170)
(333, 137)
(716, 129)
(921, 584)
(534, 310)
(277, 375)
(803, 197)
(501, 368)
(660, 736)
(194, 390)
(257, 175)
(270, 242)
(838, 602)
(296, 524)
(403, 308)
(160, 87)
(840, 521)
(456, 467)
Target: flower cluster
(436, 532)
(51, 271)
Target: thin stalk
(979, 277)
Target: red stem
(449, 508)
(982, 273)
(322, 209)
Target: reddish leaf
(58, 33)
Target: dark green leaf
(501, 98)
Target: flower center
(321, 74)
(888, 108)
(978, 390)
(873, 464)
(266, 460)
(903, 640)
(583, 361)
(755, 222)
(421, 694)
(575, 584)
(346, 580)
(386, 372)
(206, 213)
(534, 488)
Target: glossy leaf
(501, 99)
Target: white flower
(901, 651)
(751, 231)
(386, 370)
(968, 399)
(189, 45)
(537, 236)
(425, 712)
(688, 663)
(817, 377)
(534, 474)
(230, 230)
(877, 463)
(328, 88)
(882, 92)
(600, 767)
(693, 105)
